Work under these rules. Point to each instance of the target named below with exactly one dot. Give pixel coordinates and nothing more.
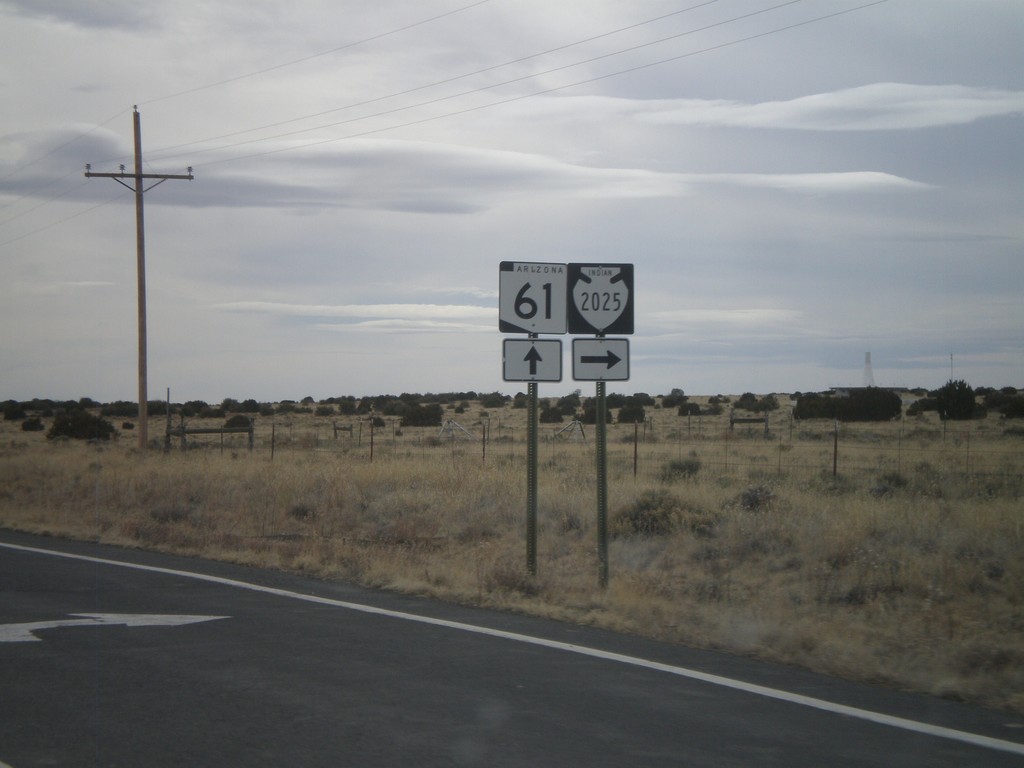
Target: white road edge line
(927, 729)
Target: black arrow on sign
(532, 357)
(609, 357)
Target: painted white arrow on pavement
(23, 633)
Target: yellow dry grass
(904, 567)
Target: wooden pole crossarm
(125, 175)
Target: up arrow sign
(532, 359)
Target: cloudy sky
(797, 183)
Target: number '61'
(526, 307)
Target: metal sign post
(531, 480)
(602, 485)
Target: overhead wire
(521, 97)
(483, 88)
(34, 190)
(59, 147)
(47, 200)
(163, 153)
(21, 167)
(444, 81)
(453, 113)
(312, 56)
(121, 193)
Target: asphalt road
(276, 669)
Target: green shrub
(589, 414)
(13, 411)
(1012, 407)
(923, 405)
(862, 404)
(120, 408)
(35, 424)
(493, 400)
(80, 425)
(675, 398)
(750, 402)
(756, 499)
(654, 513)
(632, 411)
(569, 404)
(550, 415)
(680, 469)
(423, 415)
(956, 400)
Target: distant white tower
(869, 377)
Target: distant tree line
(85, 418)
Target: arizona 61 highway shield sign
(531, 297)
(600, 298)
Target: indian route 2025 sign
(600, 298)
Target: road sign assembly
(600, 298)
(531, 297)
(536, 298)
(600, 359)
(532, 359)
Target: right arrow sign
(600, 359)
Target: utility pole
(139, 178)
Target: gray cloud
(96, 14)
(875, 107)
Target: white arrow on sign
(24, 633)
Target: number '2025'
(601, 301)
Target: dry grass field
(903, 565)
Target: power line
(35, 190)
(196, 89)
(492, 86)
(475, 108)
(519, 97)
(59, 147)
(312, 56)
(47, 201)
(444, 81)
(64, 220)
